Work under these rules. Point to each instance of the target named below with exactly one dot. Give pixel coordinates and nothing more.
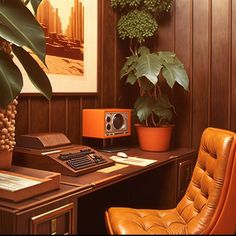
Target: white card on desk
(133, 161)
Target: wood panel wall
(201, 32)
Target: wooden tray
(15, 186)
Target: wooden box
(16, 185)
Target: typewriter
(54, 152)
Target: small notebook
(133, 161)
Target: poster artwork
(63, 24)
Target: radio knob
(108, 126)
(108, 118)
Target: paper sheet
(14, 183)
(133, 161)
(112, 168)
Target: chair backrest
(209, 205)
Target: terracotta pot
(154, 138)
(5, 160)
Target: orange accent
(94, 122)
(154, 138)
(224, 220)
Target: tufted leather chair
(209, 205)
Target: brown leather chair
(209, 205)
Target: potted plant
(151, 71)
(20, 35)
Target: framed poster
(70, 28)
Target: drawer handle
(54, 226)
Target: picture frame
(66, 83)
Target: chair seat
(144, 221)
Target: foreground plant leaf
(21, 22)
(37, 76)
(11, 81)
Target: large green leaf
(167, 56)
(37, 76)
(35, 4)
(131, 78)
(149, 65)
(144, 106)
(18, 18)
(130, 62)
(143, 50)
(11, 80)
(170, 58)
(9, 35)
(172, 73)
(163, 108)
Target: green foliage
(147, 105)
(139, 21)
(125, 3)
(146, 69)
(19, 30)
(158, 6)
(137, 24)
(139, 17)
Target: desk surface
(90, 182)
(100, 179)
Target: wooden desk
(78, 206)
(160, 185)
(35, 215)
(99, 180)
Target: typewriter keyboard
(83, 159)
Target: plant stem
(153, 120)
(155, 92)
(136, 48)
(130, 47)
(159, 90)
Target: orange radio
(106, 123)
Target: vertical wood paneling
(109, 65)
(123, 90)
(203, 35)
(220, 64)
(22, 117)
(74, 119)
(183, 49)
(200, 68)
(233, 68)
(165, 34)
(39, 115)
(58, 108)
(86, 103)
(100, 53)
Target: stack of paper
(133, 161)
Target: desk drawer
(185, 170)
(56, 221)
